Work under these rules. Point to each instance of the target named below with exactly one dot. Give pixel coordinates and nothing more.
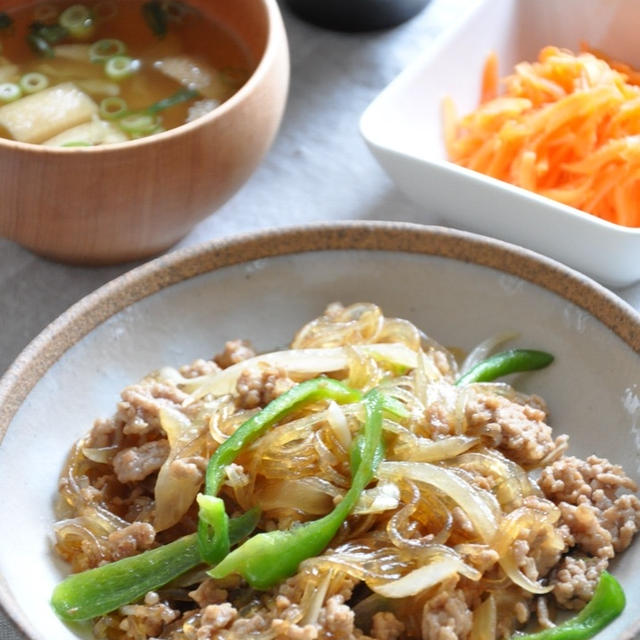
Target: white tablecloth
(318, 169)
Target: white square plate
(403, 129)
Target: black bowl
(357, 15)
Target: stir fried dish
(365, 483)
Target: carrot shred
(490, 78)
(566, 126)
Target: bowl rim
(373, 236)
(412, 74)
(276, 36)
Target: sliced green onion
(77, 143)
(136, 123)
(120, 67)
(102, 50)
(52, 33)
(183, 95)
(156, 17)
(39, 45)
(33, 82)
(113, 107)
(78, 21)
(9, 92)
(144, 134)
(6, 21)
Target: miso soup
(74, 75)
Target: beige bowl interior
(458, 287)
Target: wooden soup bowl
(131, 200)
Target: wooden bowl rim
(181, 265)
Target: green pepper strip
(607, 603)
(97, 591)
(212, 542)
(504, 363)
(267, 558)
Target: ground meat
(481, 556)
(622, 520)
(199, 367)
(191, 468)
(131, 540)
(585, 526)
(336, 619)
(517, 430)
(542, 613)
(244, 627)
(214, 618)
(511, 601)
(461, 522)
(208, 592)
(587, 492)
(540, 544)
(446, 616)
(142, 620)
(386, 626)
(141, 403)
(574, 481)
(136, 463)
(286, 630)
(258, 388)
(234, 351)
(575, 580)
(103, 434)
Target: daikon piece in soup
(77, 75)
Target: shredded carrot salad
(566, 127)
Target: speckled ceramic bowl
(459, 287)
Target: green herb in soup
(79, 75)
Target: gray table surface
(318, 169)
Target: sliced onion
(356, 324)
(527, 519)
(384, 497)
(425, 577)
(368, 559)
(510, 567)
(303, 363)
(470, 499)
(102, 455)
(317, 600)
(399, 330)
(512, 481)
(402, 527)
(482, 350)
(312, 496)
(485, 620)
(425, 374)
(175, 492)
(419, 449)
(338, 422)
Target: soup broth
(75, 75)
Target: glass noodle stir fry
(363, 483)
(107, 71)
